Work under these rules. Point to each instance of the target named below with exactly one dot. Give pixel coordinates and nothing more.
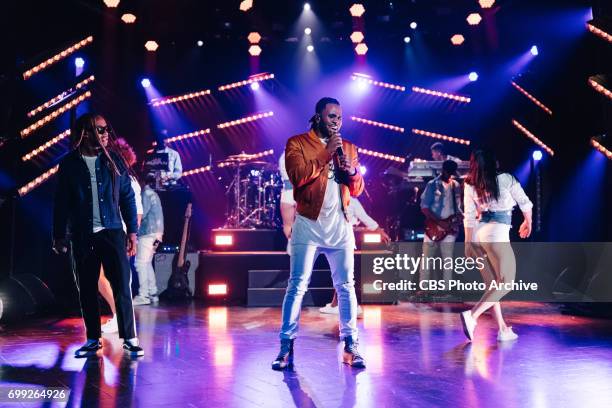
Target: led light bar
(255, 78)
(596, 83)
(379, 124)
(47, 145)
(440, 136)
(37, 181)
(196, 171)
(381, 155)
(532, 98)
(57, 57)
(366, 79)
(173, 99)
(187, 135)
(59, 97)
(533, 137)
(245, 120)
(601, 148)
(25, 132)
(598, 31)
(439, 94)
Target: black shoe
(285, 356)
(132, 350)
(351, 354)
(88, 349)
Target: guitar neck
(181, 258)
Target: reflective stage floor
(200, 356)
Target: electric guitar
(178, 284)
(438, 230)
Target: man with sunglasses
(93, 195)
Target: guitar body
(178, 284)
(437, 231)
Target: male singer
(323, 169)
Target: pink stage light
(533, 137)
(174, 99)
(224, 239)
(57, 57)
(246, 5)
(357, 10)
(474, 19)
(439, 94)
(380, 155)
(532, 98)
(46, 146)
(378, 124)
(255, 50)
(357, 37)
(440, 136)
(59, 97)
(486, 3)
(216, 289)
(254, 38)
(245, 120)
(598, 31)
(37, 181)
(457, 39)
(196, 171)
(602, 149)
(372, 238)
(361, 49)
(597, 82)
(252, 78)
(363, 78)
(151, 46)
(128, 18)
(39, 123)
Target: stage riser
(274, 297)
(278, 278)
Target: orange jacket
(307, 163)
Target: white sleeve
(177, 172)
(281, 167)
(360, 213)
(469, 206)
(137, 195)
(518, 194)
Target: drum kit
(253, 194)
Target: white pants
(341, 262)
(430, 248)
(144, 264)
(492, 232)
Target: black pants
(106, 248)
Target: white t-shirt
(91, 165)
(331, 229)
(448, 208)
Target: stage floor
(200, 356)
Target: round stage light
(361, 49)
(474, 19)
(151, 45)
(255, 50)
(362, 170)
(146, 82)
(254, 37)
(357, 37)
(111, 3)
(357, 10)
(128, 18)
(406, 39)
(200, 43)
(255, 86)
(486, 3)
(534, 50)
(473, 76)
(413, 25)
(307, 30)
(79, 62)
(537, 155)
(246, 5)
(457, 39)
(310, 48)
(307, 6)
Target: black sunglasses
(103, 129)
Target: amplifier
(163, 269)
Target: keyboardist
(438, 153)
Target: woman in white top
(489, 198)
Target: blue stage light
(413, 25)
(145, 83)
(79, 62)
(534, 50)
(255, 86)
(537, 155)
(473, 76)
(306, 6)
(406, 39)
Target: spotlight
(79, 62)
(474, 19)
(361, 49)
(537, 155)
(362, 170)
(146, 82)
(457, 39)
(128, 18)
(200, 43)
(255, 50)
(307, 6)
(255, 86)
(533, 137)
(413, 25)
(310, 48)
(406, 39)
(486, 3)
(245, 5)
(357, 10)
(473, 76)
(151, 46)
(111, 3)
(357, 37)
(534, 50)
(254, 38)
(307, 30)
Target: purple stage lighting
(79, 62)
(537, 155)
(534, 50)
(473, 76)
(146, 82)
(362, 170)
(255, 86)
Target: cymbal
(259, 163)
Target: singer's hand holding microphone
(334, 146)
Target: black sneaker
(88, 349)
(351, 354)
(285, 356)
(132, 350)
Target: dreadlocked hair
(87, 123)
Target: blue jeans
(341, 262)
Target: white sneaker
(468, 323)
(154, 299)
(507, 335)
(329, 309)
(110, 326)
(141, 300)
